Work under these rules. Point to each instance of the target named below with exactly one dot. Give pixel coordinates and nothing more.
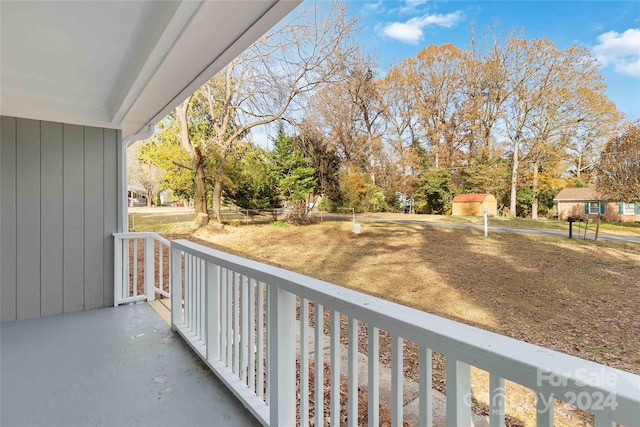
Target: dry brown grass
(579, 297)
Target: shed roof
(477, 197)
(577, 194)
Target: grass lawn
(581, 297)
(577, 296)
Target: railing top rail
(536, 367)
(140, 234)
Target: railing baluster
(496, 400)
(149, 268)
(304, 362)
(202, 293)
(260, 357)
(458, 393)
(373, 366)
(352, 373)
(244, 336)
(160, 266)
(319, 364)
(252, 335)
(126, 283)
(544, 410)
(335, 368)
(282, 356)
(196, 295)
(118, 268)
(194, 284)
(175, 286)
(397, 377)
(229, 325)
(269, 343)
(212, 310)
(224, 326)
(135, 267)
(189, 268)
(426, 390)
(236, 323)
(187, 291)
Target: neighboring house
(166, 197)
(474, 204)
(587, 203)
(136, 196)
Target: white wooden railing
(240, 316)
(141, 268)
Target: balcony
(275, 339)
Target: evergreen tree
(293, 175)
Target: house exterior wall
(576, 209)
(58, 200)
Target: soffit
(119, 64)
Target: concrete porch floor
(118, 366)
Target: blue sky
(394, 30)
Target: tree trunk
(217, 200)
(202, 214)
(149, 198)
(536, 191)
(197, 162)
(579, 169)
(217, 192)
(514, 179)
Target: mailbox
(571, 220)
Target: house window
(628, 208)
(593, 208)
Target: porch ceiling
(120, 64)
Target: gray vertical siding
(73, 227)
(8, 219)
(58, 211)
(51, 219)
(28, 219)
(93, 217)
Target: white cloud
(411, 30)
(410, 6)
(372, 7)
(622, 50)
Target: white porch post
(123, 204)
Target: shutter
(602, 208)
(621, 208)
(637, 205)
(586, 207)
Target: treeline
(518, 118)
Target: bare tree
(143, 174)
(438, 88)
(548, 102)
(350, 115)
(619, 166)
(401, 122)
(269, 81)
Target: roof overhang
(120, 64)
